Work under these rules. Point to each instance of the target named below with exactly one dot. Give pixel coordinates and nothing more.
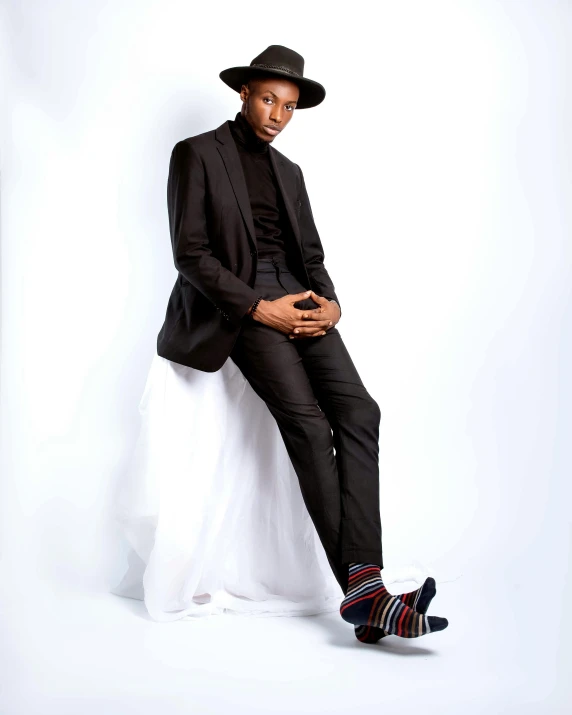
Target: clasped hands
(296, 323)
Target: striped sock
(418, 600)
(369, 603)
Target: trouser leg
(329, 425)
(275, 372)
(354, 417)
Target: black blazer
(214, 247)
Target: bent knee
(364, 411)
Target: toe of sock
(428, 592)
(429, 589)
(430, 583)
(436, 623)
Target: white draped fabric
(211, 507)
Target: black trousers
(327, 419)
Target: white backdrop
(439, 173)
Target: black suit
(214, 247)
(327, 419)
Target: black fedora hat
(277, 61)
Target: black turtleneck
(268, 210)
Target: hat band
(278, 67)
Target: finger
(317, 334)
(318, 298)
(309, 324)
(310, 331)
(293, 297)
(312, 313)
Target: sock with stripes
(369, 603)
(418, 600)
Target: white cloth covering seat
(211, 508)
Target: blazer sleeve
(189, 238)
(321, 283)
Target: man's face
(268, 105)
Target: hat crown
(278, 57)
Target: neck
(246, 136)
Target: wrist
(255, 307)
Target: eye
(266, 98)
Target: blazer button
(252, 253)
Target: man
(253, 286)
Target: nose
(276, 115)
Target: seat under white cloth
(210, 506)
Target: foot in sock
(369, 603)
(418, 600)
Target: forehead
(282, 88)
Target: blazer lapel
(277, 165)
(229, 153)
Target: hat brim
(311, 92)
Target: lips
(271, 130)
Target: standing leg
(354, 416)
(312, 388)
